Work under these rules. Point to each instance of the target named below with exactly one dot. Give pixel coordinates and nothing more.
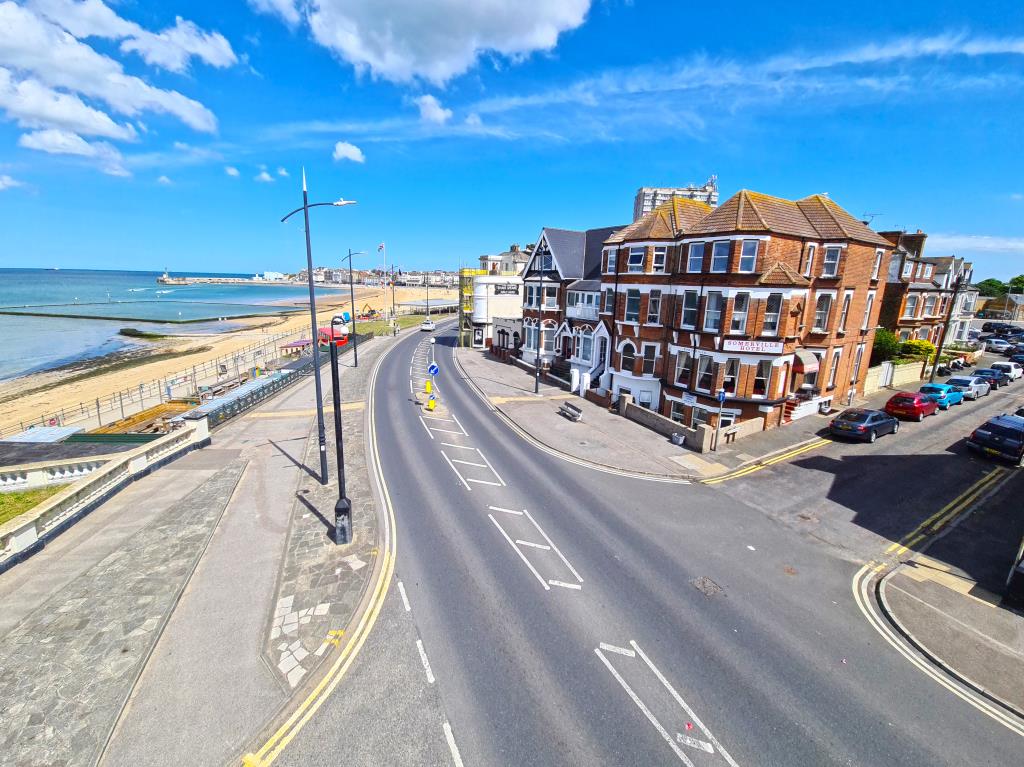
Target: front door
(566, 346)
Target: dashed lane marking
(405, 599)
(450, 738)
(425, 661)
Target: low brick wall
(698, 439)
(604, 400)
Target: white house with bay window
(582, 339)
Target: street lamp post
(321, 434)
(352, 296)
(343, 506)
(540, 328)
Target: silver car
(972, 386)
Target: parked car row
(1001, 436)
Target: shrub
(886, 346)
(917, 347)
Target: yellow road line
(947, 512)
(305, 710)
(770, 462)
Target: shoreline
(27, 397)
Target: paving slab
(69, 665)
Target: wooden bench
(571, 411)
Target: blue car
(943, 395)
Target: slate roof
(592, 286)
(665, 222)
(816, 217)
(576, 254)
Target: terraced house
(922, 292)
(773, 303)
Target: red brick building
(771, 302)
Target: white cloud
(473, 120)
(169, 49)
(232, 171)
(346, 151)
(57, 141)
(29, 44)
(966, 244)
(431, 110)
(164, 181)
(282, 172)
(263, 177)
(286, 9)
(404, 40)
(34, 105)
(6, 182)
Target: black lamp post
(343, 506)
(352, 296)
(312, 320)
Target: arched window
(628, 357)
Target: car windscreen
(853, 417)
(931, 390)
(1004, 431)
(903, 400)
(959, 381)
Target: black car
(1002, 436)
(995, 378)
(1018, 358)
(859, 423)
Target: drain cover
(706, 586)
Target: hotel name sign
(753, 347)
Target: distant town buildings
(650, 197)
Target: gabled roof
(665, 222)
(815, 217)
(576, 255)
(781, 273)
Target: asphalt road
(565, 616)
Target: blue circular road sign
(433, 369)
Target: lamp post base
(343, 521)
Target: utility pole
(540, 327)
(945, 325)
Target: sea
(103, 302)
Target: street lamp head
(342, 201)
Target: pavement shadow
(330, 526)
(891, 495)
(294, 460)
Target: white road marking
(507, 511)
(426, 663)
(460, 447)
(619, 650)
(489, 465)
(565, 585)
(682, 704)
(484, 482)
(446, 431)
(426, 427)
(456, 757)
(703, 745)
(531, 544)
(455, 470)
(553, 546)
(405, 599)
(520, 553)
(646, 711)
(437, 418)
(460, 425)
(470, 463)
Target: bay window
(650, 352)
(762, 376)
(867, 311)
(684, 368)
(609, 300)
(689, 317)
(732, 373)
(809, 263)
(748, 256)
(740, 306)
(628, 357)
(635, 263)
(632, 305)
(695, 257)
(705, 377)
(658, 263)
(822, 309)
(830, 267)
(654, 307)
(772, 314)
(713, 312)
(845, 311)
(720, 256)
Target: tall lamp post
(321, 434)
(352, 296)
(540, 328)
(343, 506)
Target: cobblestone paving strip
(71, 665)
(321, 583)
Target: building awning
(805, 362)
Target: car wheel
(920, 417)
(872, 435)
(896, 428)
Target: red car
(911, 404)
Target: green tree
(992, 287)
(886, 346)
(1016, 285)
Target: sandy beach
(26, 399)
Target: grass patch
(136, 333)
(18, 502)
(405, 321)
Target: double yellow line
(305, 710)
(764, 464)
(945, 515)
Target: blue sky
(144, 135)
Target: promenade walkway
(214, 574)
